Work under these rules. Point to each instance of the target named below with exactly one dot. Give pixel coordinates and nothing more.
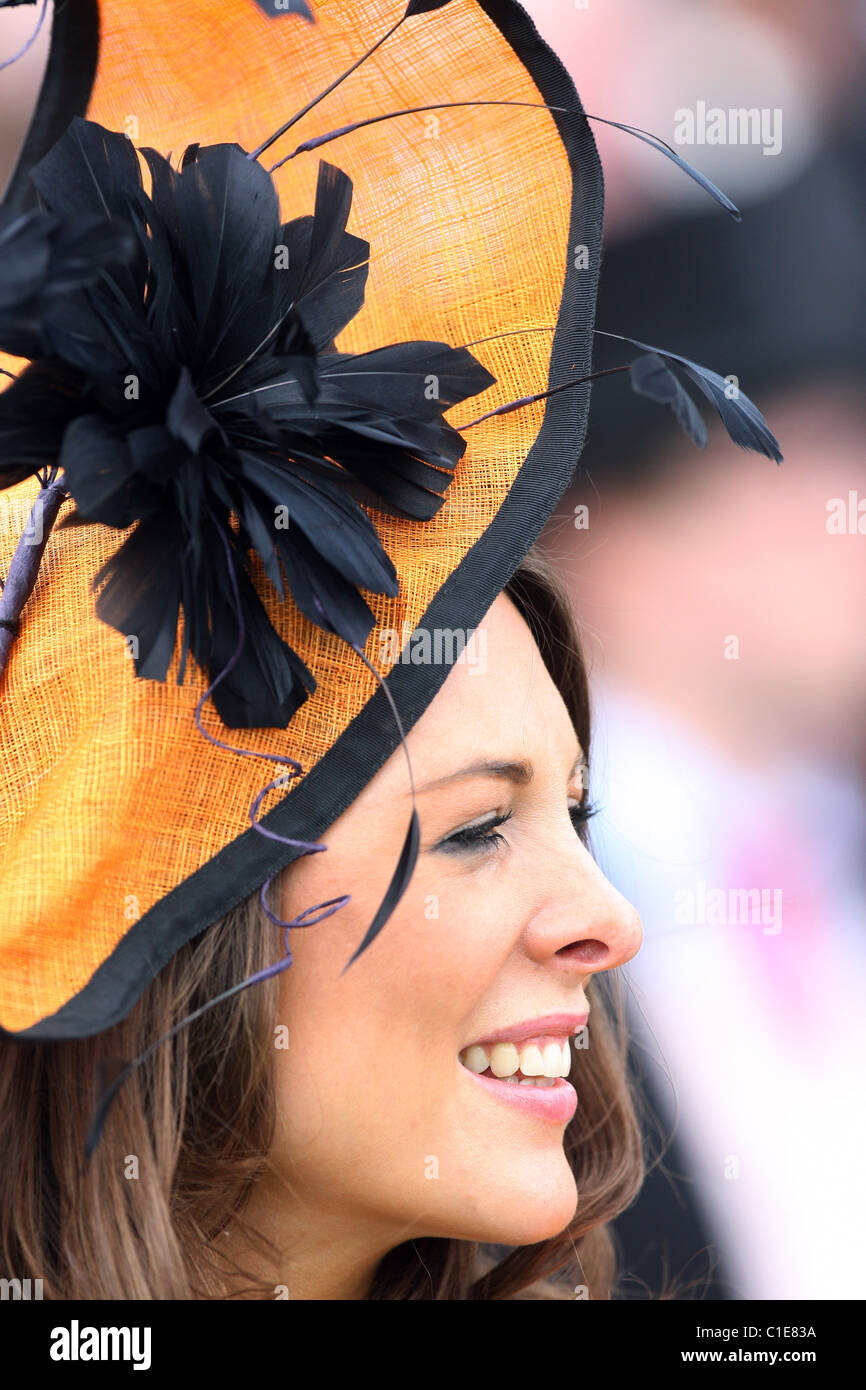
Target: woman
(334, 1118)
(351, 1111)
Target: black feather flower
(194, 391)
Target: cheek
(432, 961)
(366, 1082)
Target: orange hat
(155, 418)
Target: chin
(523, 1212)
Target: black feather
(663, 148)
(111, 1073)
(35, 412)
(142, 590)
(396, 888)
(650, 377)
(44, 260)
(740, 416)
(327, 270)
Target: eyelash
(486, 836)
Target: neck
(283, 1248)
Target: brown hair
(191, 1129)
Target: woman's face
(383, 1133)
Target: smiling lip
(552, 1025)
(555, 1103)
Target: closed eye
(480, 834)
(483, 834)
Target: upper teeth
(530, 1058)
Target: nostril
(589, 952)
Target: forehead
(499, 701)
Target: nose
(581, 921)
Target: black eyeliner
(482, 833)
(475, 835)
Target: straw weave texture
(109, 797)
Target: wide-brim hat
(123, 831)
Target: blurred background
(721, 599)
(721, 602)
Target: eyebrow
(519, 771)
